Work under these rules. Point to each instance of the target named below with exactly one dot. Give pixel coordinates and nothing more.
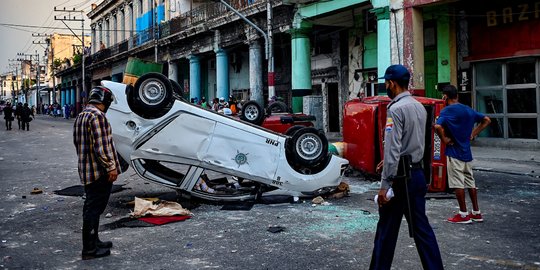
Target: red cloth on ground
(163, 220)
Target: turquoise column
(63, 97)
(384, 52)
(301, 66)
(222, 73)
(194, 77)
(73, 96)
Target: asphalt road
(43, 231)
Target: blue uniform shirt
(458, 121)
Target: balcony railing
(199, 15)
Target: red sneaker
(459, 219)
(476, 218)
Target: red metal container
(363, 135)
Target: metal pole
(38, 79)
(267, 42)
(271, 89)
(265, 35)
(53, 76)
(82, 66)
(155, 30)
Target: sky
(19, 19)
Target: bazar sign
(511, 14)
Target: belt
(417, 165)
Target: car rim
(251, 112)
(152, 92)
(309, 146)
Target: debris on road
(163, 208)
(317, 200)
(275, 229)
(36, 191)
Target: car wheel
(290, 131)
(152, 92)
(309, 146)
(276, 107)
(252, 112)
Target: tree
(77, 59)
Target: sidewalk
(506, 158)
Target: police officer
(404, 136)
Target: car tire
(308, 146)
(290, 131)
(276, 107)
(252, 112)
(152, 92)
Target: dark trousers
(390, 216)
(97, 198)
(8, 124)
(25, 125)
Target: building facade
(328, 52)
(488, 50)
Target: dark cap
(396, 72)
(450, 91)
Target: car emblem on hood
(240, 158)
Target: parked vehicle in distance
(171, 142)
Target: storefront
(504, 53)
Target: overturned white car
(183, 146)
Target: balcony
(208, 14)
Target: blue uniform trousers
(390, 216)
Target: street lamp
(269, 55)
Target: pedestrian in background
(67, 111)
(18, 112)
(204, 104)
(456, 128)
(215, 104)
(98, 167)
(26, 116)
(232, 104)
(8, 115)
(404, 136)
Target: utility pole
(70, 17)
(24, 59)
(269, 55)
(39, 66)
(47, 43)
(271, 88)
(155, 30)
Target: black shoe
(97, 253)
(106, 244)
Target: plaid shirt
(92, 136)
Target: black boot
(99, 243)
(90, 249)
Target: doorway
(333, 107)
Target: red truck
(363, 135)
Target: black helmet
(102, 95)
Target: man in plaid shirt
(98, 167)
